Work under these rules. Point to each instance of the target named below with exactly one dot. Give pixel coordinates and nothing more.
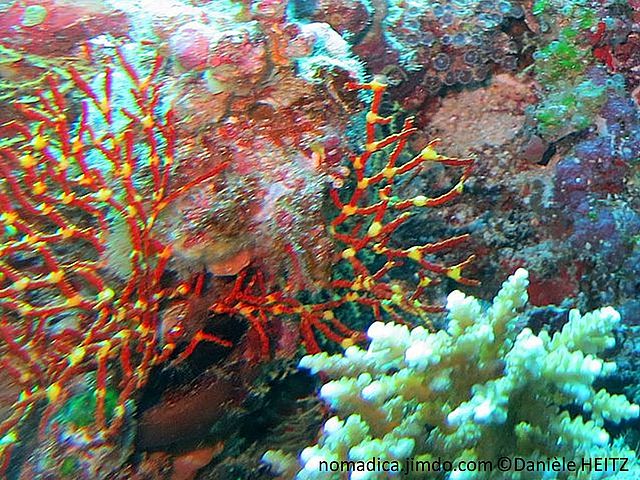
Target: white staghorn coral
(478, 390)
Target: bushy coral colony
(208, 208)
(71, 186)
(481, 389)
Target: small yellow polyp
(38, 188)
(420, 201)
(103, 194)
(21, 284)
(55, 277)
(348, 253)
(28, 161)
(414, 253)
(73, 301)
(39, 142)
(454, 273)
(429, 153)
(106, 295)
(53, 392)
(8, 218)
(76, 356)
(374, 229)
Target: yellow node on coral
(328, 315)
(143, 330)
(73, 301)
(104, 194)
(118, 411)
(28, 161)
(144, 84)
(182, 289)
(105, 295)
(141, 305)
(66, 232)
(104, 349)
(21, 284)
(374, 229)
(38, 188)
(63, 164)
(53, 392)
(84, 180)
(126, 170)
(154, 161)
(157, 297)
(372, 147)
(39, 142)
(348, 253)
(347, 342)
(397, 298)
(120, 314)
(131, 211)
(165, 253)
(246, 311)
(454, 273)
(67, 198)
(76, 145)
(351, 296)
(378, 248)
(31, 240)
(362, 184)
(368, 283)
(349, 210)
(104, 106)
(357, 163)
(459, 187)
(76, 355)
(429, 153)
(147, 121)
(414, 253)
(8, 218)
(372, 117)
(425, 282)
(377, 86)
(389, 172)
(419, 201)
(122, 335)
(55, 277)
(45, 208)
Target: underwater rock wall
(194, 194)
